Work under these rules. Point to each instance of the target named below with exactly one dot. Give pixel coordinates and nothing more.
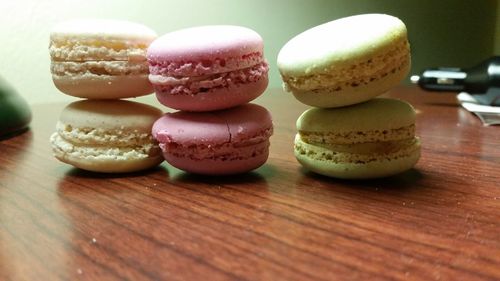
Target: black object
(478, 79)
(15, 114)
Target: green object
(368, 140)
(15, 114)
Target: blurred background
(455, 33)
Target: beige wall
(445, 32)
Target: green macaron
(367, 140)
(15, 114)
(346, 61)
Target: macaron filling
(104, 137)
(381, 147)
(98, 68)
(93, 50)
(191, 85)
(357, 153)
(353, 137)
(63, 147)
(204, 66)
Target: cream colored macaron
(346, 61)
(100, 59)
(367, 140)
(107, 136)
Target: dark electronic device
(481, 81)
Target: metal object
(482, 79)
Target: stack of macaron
(340, 68)
(210, 74)
(103, 61)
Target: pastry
(107, 136)
(230, 141)
(346, 61)
(100, 59)
(367, 140)
(208, 68)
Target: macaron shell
(375, 114)
(205, 43)
(110, 115)
(338, 42)
(219, 167)
(187, 129)
(104, 87)
(212, 128)
(247, 122)
(103, 29)
(381, 165)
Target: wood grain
(439, 221)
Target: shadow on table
(16, 133)
(79, 173)
(404, 182)
(256, 177)
(84, 185)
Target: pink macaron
(208, 68)
(221, 142)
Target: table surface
(438, 221)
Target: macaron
(345, 61)
(221, 142)
(208, 67)
(100, 59)
(107, 136)
(367, 140)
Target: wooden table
(439, 221)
